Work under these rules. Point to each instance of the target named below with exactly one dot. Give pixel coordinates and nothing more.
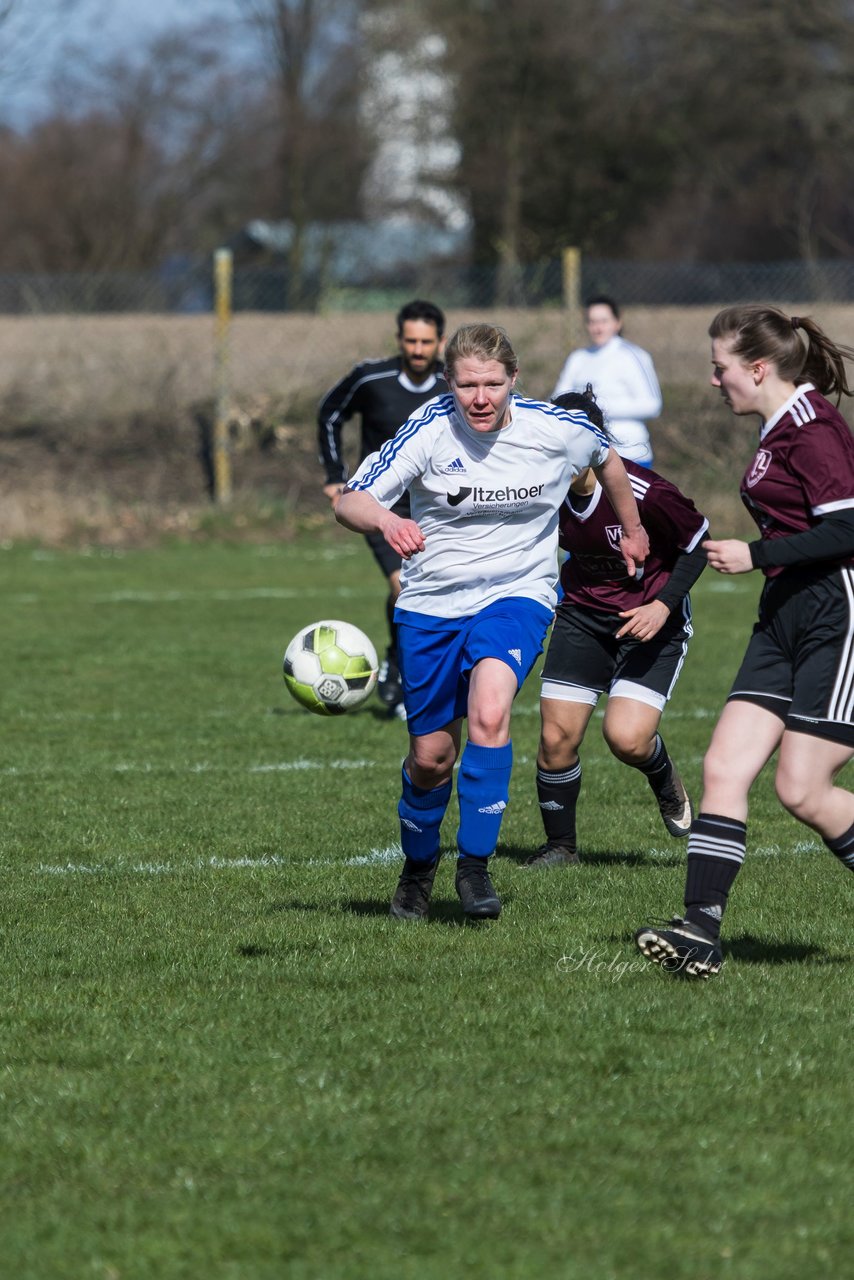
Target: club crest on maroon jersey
(615, 533)
(761, 463)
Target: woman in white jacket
(622, 376)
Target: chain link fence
(126, 388)
(188, 288)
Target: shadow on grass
(445, 912)
(297, 904)
(249, 950)
(747, 949)
(602, 858)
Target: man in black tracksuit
(385, 393)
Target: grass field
(221, 1059)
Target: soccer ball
(330, 667)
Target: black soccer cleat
(552, 855)
(674, 805)
(412, 895)
(681, 948)
(389, 687)
(476, 890)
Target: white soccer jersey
(623, 378)
(486, 502)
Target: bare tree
(24, 26)
(308, 48)
(134, 161)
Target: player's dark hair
(480, 342)
(757, 332)
(602, 300)
(585, 401)
(419, 309)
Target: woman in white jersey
(486, 472)
(623, 379)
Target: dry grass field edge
(104, 420)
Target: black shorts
(387, 559)
(799, 663)
(585, 659)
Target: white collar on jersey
(408, 385)
(587, 511)
(784, 409)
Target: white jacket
(623, 378)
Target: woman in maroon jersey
(626, 636)
(794, 691)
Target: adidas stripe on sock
(716, 848)
(843, 848)
(557, 792)
(483, 790)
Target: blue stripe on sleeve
(577, 417)
(433, 409)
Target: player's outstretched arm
(634, 544)
(360, 512)
(729, 555)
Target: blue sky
(100, 26)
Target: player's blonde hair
(757, 332)
(480, 342)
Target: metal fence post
(571, 271)
(223, 268)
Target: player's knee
(801, 799)
(718, 770)
(627, 745)
(429, 767)
(558, 749)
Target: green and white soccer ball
(330, 667)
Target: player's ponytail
(757, 332)
(585, 401)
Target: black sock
(843, 848)
(715, 853)
(557, 792)
(657, 768)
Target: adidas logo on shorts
(517, 654)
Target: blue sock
(421, 813)
(483, 789)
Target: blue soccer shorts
(436, 655)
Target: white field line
(387, 856)
(265, 551)
(236, 594)
(219, 594)
(122, 766)
(157, 868)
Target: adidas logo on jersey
(499, 807)
(455, 468)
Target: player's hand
(403, 536)
(645, 621)
(333, 492)
(634, 548)
(728, 556)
